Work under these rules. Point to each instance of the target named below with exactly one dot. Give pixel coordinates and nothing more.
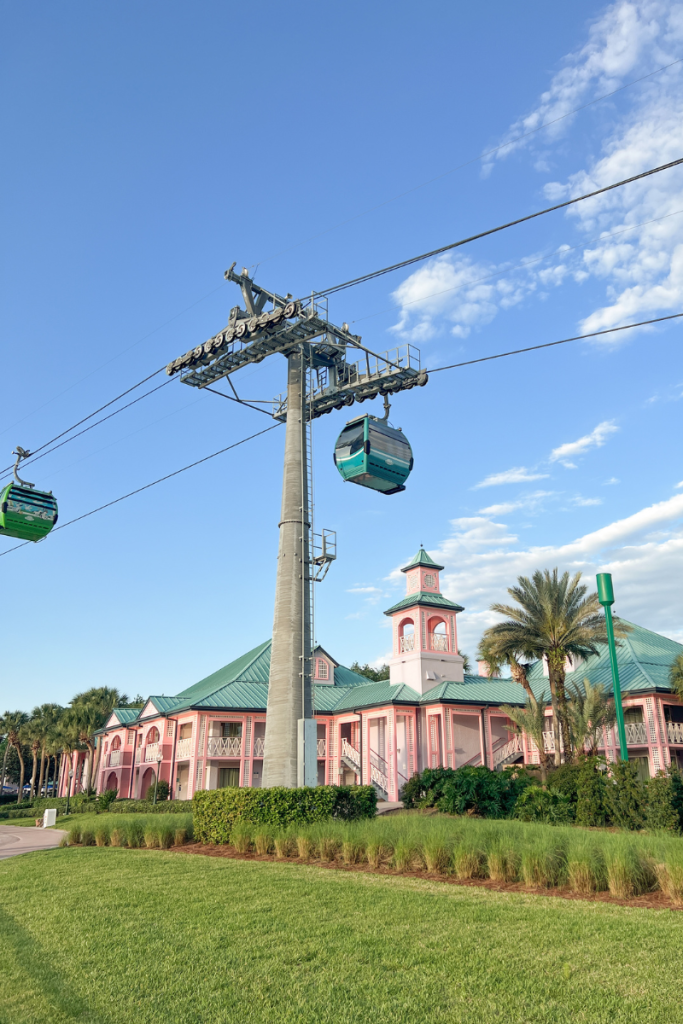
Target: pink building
(428, 713)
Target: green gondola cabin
(26, 513)
(371, 453)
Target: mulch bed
(648, 901)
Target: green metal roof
(643, 657)
(477, 690)
(425, 598)
(126, 715)
(376, 694)
(252, 667)
(421, 558)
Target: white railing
(259, 747)
(438, 641)
(675, 731)
(183, 748)
(152, 750)
(636, 733)
(379, 777)
(407, 643)
(225, 746)
(548, 743)
(138, 755)
(322, 747)
(351, 753)
(115, 759)
(513, 746)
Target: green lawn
(90, 820)
(111, 936)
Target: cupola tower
(425, 638)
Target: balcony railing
(438, 641)
(636, 732)
(115, 759)
(259, 747)
(675, 731)
(322, 747)
(152, 751)
(225, 746)
(379, 777)
(184, 748)
(407, 643)
(351, 753)
(138, 755)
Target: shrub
(660, 811)
(546, 805)
(106, 799)
(565, 779)
(144, 807)
(217, 811)
(162, 792)
(467, 790)
(591, 808)
(625, 795)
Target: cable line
(101, 409)
(146, 487)
(467, 163)
(491, 231)
(549, 344)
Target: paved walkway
(16, 839)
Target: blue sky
(148, 146)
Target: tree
(465, 661)
(555, 619)
(31, 733)
(589, 712)
(488, 652)
(375, 674)
(14, 723)
(531, 720)
(88, 713)
(676, 676)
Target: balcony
(259, 747)
(438, 641)
(675, 732)
(225, 746)
(406, 643)
(636, 733)
(115, 759)
(184, 749)
(152, 751)
(322, 748)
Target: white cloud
(583, 502)
(528, 502)
(595, 439)
(612, 480)
(482, 559)
(516, 475)
(363, 590)
(680, 484)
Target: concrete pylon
(289, 689)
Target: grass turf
(111, 936)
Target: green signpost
(606, 599)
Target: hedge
(467, 790)
(217, 811)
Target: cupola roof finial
(421, 558)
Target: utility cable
(101, 409)
(467, 163)
(550, 344)
(490, 231)
(146, 487)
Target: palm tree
(32, 734)
(676, 676)
(66, 740)
(43, 722)
(531, 719)
(14, 722)
(553, 620)
(88, 713)
(590, 711)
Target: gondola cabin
(26, 513)
(371, 453)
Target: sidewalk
(19, 839)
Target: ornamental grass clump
(586, 868)
(329, 848)
(135, 834)
(118, 837)
(630, 871)
(404, 855)
(468, 861)
(263, 841)
(87, 837)
(305, 847)
(285, 846)
(180, 837)
(670, 878)
(543, 863)
(102, 836)
(166, 836)
(151, 838)
(502, 861)
(353, 851)
(74, 836)
(240, 837)
(437, 855)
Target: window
(116, 743)
(228, 777)
(130, 737)
(186, 731)
(153, 735)
(231, 729)
(169, 727)
(322, 669)
(429, 579)
(633, 716)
